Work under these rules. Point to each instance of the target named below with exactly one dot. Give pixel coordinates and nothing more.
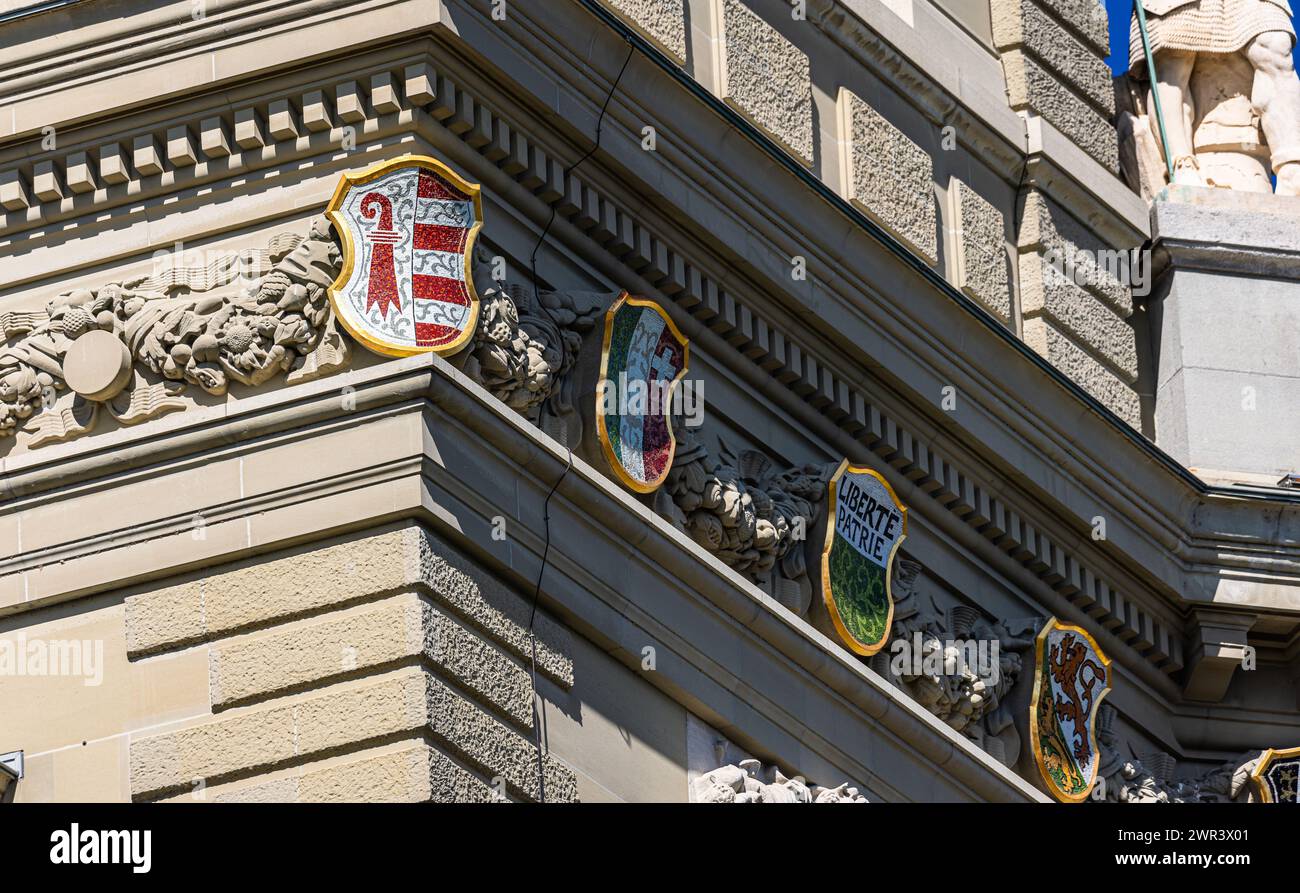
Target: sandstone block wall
(1054, 59)
(387, 667)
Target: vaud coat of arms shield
(408, 227)
(865, 524)
(1071, 676)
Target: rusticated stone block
(981, 250)
(1083, 370)
(767, 79)
(663, 22)
(411, 773)
(406, 700)
(889, 177)
(1050, 231)
(1031, 86)
(254, 592)
(341, 643)
(1087, 17)
(1086, 318)
(1024, 23)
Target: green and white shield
(866, 525)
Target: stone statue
(1224, 74)
(749, 783)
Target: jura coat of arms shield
(643, 356)
(1071, 676)
(866, 523)
(408, 227)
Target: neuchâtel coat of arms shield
(408, 227)
(1071, 676)
(643, 356)
(865, 525)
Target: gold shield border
(827, 599)
(1257, 774)
(349, 181)
(602, 434)
(1034, 744)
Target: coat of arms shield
(408, 227)
(865, 525)
(643, 356)
(1277, 776)
(1071, 676)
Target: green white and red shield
(642, 358)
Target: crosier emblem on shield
(408, 227)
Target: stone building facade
(291, 568)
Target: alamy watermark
(1130, 268)
(21, 656)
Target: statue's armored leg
(1174, 74)
(1276, 96)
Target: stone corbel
(1219, 645)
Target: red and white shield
(408, 227)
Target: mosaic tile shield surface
(408, 226)
(869, 525)
(1277, 776)
(643, 356)
(1071, 676)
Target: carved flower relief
(178, 332)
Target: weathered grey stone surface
(663, 21)
(1047, 228)
(889, 176)
(1087, 17)
(1227, 313)
(1032, 86)
(767, 78)
(982, 250)
(1023, 23)
(1083, 369)
(1087, 319)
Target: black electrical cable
(546, 506)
